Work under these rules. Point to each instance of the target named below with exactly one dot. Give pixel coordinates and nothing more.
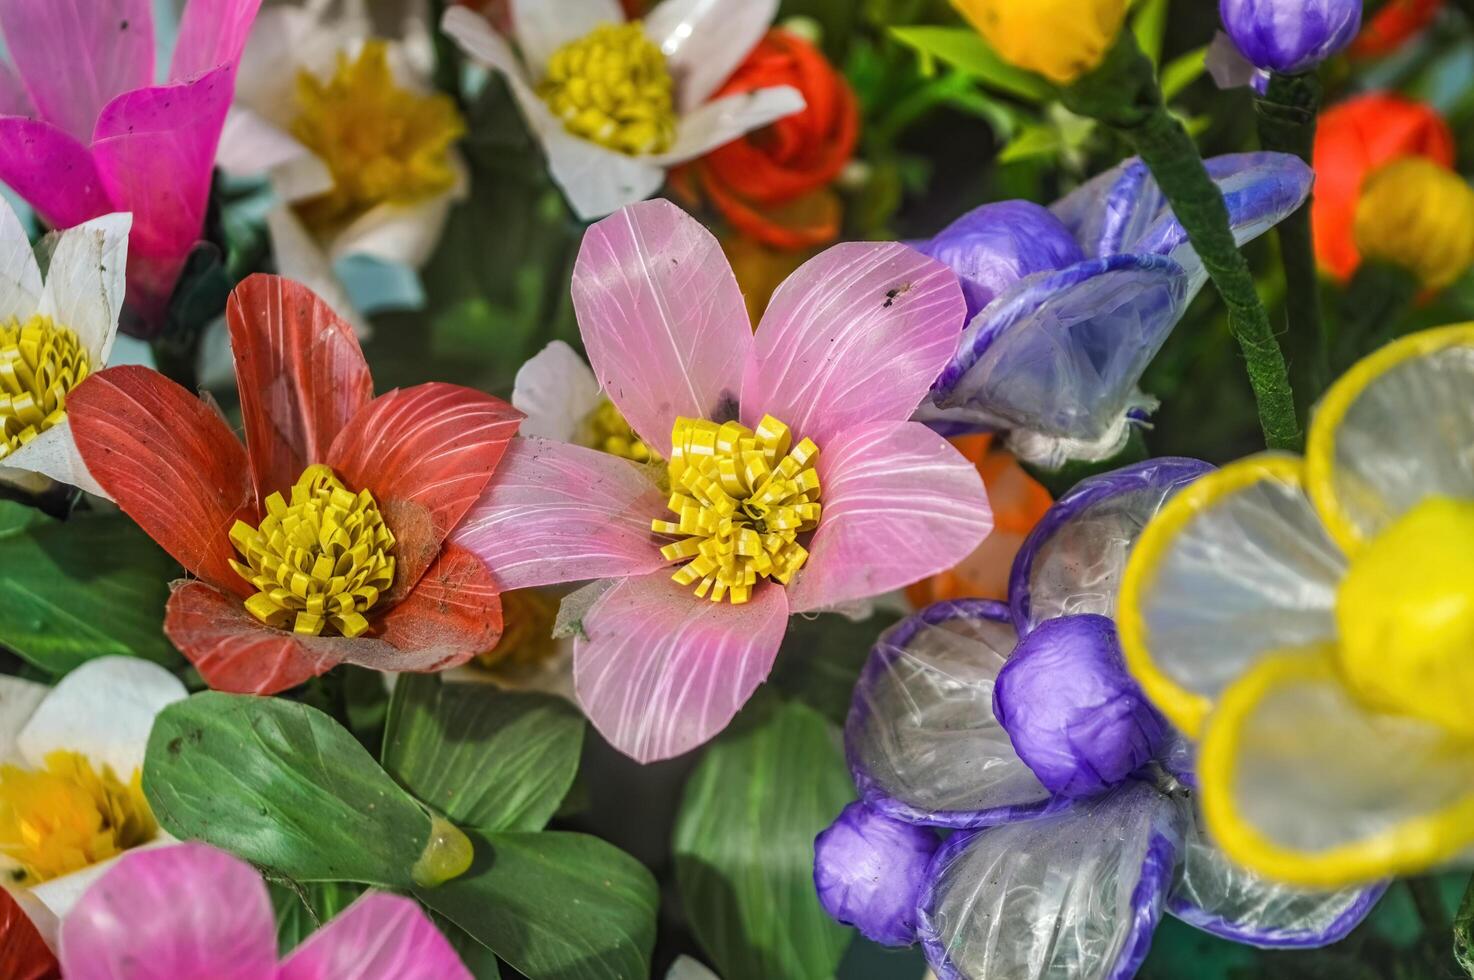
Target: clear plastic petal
(1110, 211)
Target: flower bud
(868, 870)
(1059, 39)
(1420, 216)
(1290, 36)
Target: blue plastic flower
(1068, 305)
(1290, 36)
(1069, 800)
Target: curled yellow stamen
(40, 363)
(613, 87)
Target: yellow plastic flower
(1419, 215)
(1059, 39)
(1311, 621)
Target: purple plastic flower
(868, 870)
(1048, 875)
(1068, 305)
(1290, 36)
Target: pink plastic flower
(849, 346)
(84, 131)
(193, 911)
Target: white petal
(725, 119)
(556, 390)
(300, 258)
(53, 454)
(705, 40)
(20, 277)
(250, 145)
(104, 709)
(85, 282)
(18, 701)
(266, 80)
(543, 26)
(402, 234)
(685, 968)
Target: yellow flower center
(67, 816)
(528, 617)
(381, 142)
(612, 86)
(742, 498)
(321, 561)
(39, 363)
(606, 430)
(1405, 612)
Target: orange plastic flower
(773, 184)
(1018, 503)
(1355, 138)
(1393, 26)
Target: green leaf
(486, 758)
(744, 847)
(1182, 71)
(965, 50)
(1033, 141)
(283, 786)
(1149, 24)
(474, 956)
(555, 906)
(93, 586)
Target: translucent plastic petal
(85, 282)
(211, 33)
(1109, 212)
(995, 245)
(54, 456)
(705, 40)
(556, 390)
(14, 100)
(378, 937)
(868, 871)
(1071, 563)
(51, 171)
(921, 738)
(1394, 431)
(20, 276)
(1235, 566)
(1074, 895)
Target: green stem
(1123, 93)
(1372, 309)
(1464, 931)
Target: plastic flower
(1290, 36)
(1354, 138)
(71, 797)
(562, 401)
(1418, 216)
(357, 145)
(1067, 306)
(773, 185)
(792, 480)
(1059, 39)
(53, 333)
(322, 539)
(614, 103)
(193, 911)
(1017, 726)
(1394, 25)
(85, 132)
(1310, 619)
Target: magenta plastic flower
(84, 131)
(790, 478)
(190, 910)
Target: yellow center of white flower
(321, 561)
(67, 816)
(613, 87)
(606, 430)
(40, 363)
(381, 142)
(742, 498)
(1405, 612)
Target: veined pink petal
(660, 671)
(75, 56)
(662, 318)
(378, 937)
(211, 33)
(13, 98)
(899, 504)
(51, 171)
(858, 334)
(167, 912)
(558, 513)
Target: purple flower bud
(994, 246)
(1072, 711)
(1290, 36)
(868, 870)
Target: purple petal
(868, 870)
(1110, 211)
(186, 910)
(1071, 562)
(1290, 36)
(378, 937)
(994, 246)
(51, 171)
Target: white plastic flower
(616, 104)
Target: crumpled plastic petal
(378, 937)
(868, 870)
(994, 246)
(1110, 211)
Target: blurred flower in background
(1059, 39)
(1398, 22)
(1418, 216)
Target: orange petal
(453, 614)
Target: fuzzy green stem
(1123, 93)
(1372, 309)
(1464, 931)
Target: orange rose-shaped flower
(1393, 26)
(773, 184)
(1355, 138)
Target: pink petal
(379, 937)
(77, 55)
(13, 98)
(51, 171)
(559, 513)
(899, 504)
(660, 671)
(856, 335)
(182, 911)
(211, 33)
(301, 375)
(662, 318)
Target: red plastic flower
(773, 184)
(1355, 138)
(1393, 26)
(354, 497)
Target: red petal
(453, 614)
(301, 374)
(171, 463)
(24, 955)
(425, 453)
